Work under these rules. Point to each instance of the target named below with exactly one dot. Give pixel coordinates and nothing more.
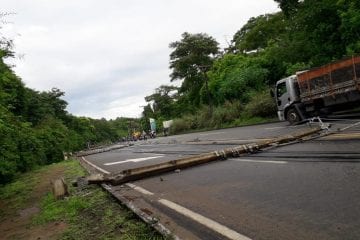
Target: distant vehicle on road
(136, 135)
(167, 125)
(319, 91)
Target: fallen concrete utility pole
(142, 172)
(100, 150)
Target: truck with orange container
(319, 91)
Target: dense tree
(53, 135)
(162, 101)
(20, 149)
(288, 6)
(104, 131)
(40, 105)
(315, 28)
(312, 35)
(256, 34)
(190, 59)
(349, 12)
(35, 127)
(305, 34)
(234, 77)
(148, 112)
(12, 89)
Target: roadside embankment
(29, 210)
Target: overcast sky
(108, 55)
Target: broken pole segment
(142, 172)
(147, 171)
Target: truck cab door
(282, 95)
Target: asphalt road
(307, 190)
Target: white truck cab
(287, 94)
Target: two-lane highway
(308, 190)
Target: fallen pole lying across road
(101, 149)
(142, 172)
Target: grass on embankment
(88, 213)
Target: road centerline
(133, 160)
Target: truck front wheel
(292, 116)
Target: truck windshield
(280, 89)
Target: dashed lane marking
(139, 189)
(133, 160)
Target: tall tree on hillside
(314, 32)
(349, 12)
(162, 101)
(288, 6)
(258, 32)
(41, 105)
(12, 89)
(190, 59)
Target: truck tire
(292, 116)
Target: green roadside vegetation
(36, 129)
(304, 34)
(88, 213)
(217, 87)
(260, 109)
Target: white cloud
(107, 56)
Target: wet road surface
(308, 190)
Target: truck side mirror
(272, 94)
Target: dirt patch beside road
(29, 210)
(18, 208)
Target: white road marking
(240, 140)
(221, 229)
(133, 160)
(139, 189)
(258, 161)
(94, 166)
(271, 128)
(206, 134)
